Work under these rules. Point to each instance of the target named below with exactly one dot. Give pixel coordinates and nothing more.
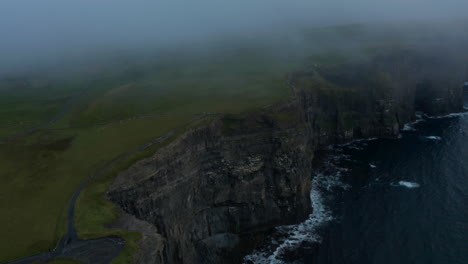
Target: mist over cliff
(38, 32)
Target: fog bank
(39, 31)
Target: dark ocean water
(387, 201)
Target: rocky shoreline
(211, 195)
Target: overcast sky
(38, 29)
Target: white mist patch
(433, 138)
(372, 166)
(406, 184)
(290, 237)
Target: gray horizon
(40, 31)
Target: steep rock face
(211, 189)
(376, 98)
(213, 192)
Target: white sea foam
(356, 141)
(421, 118)
(406, 184)
(290, 237)
(296, 235)
(410, 126)
(433, 138)
(452, 115)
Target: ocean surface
(384, 201)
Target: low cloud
(34, 31)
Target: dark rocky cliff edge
(212, 194)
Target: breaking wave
(295, 235)
(433, 138)
(406, 184)
(287, 239)
(411, 126)
(452, 115)
(421, 117)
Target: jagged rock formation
(210, 188)
(209, 196)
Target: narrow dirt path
(68, 105)
(98, 250)
(115, 121)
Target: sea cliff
(212, 194)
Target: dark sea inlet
(392, 201)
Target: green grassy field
(62, 261)
(117, 112)
(116, 109)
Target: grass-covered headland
(105, 110)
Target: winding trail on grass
(121, 120)
(68, 105)
(97, 250)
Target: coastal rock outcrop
(210, 191)
(211, 194)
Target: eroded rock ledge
(210, 195)
(207, 190)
